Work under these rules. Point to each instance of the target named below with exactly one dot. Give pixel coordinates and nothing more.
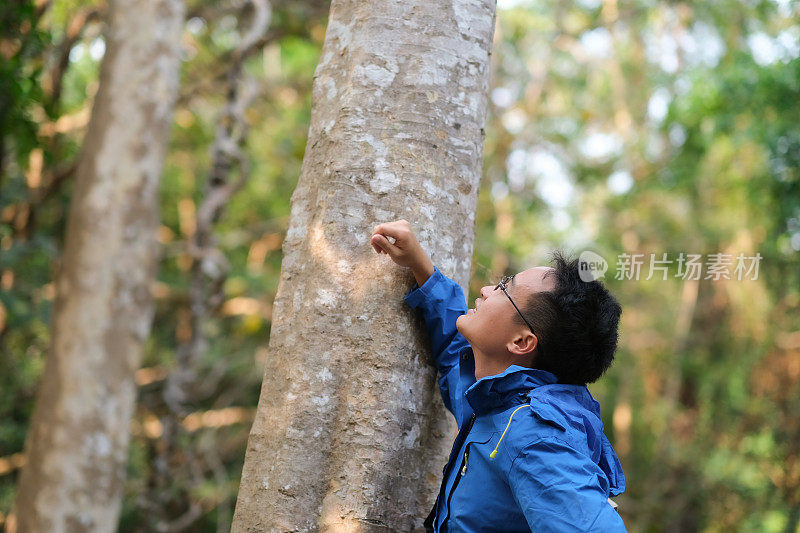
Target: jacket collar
(499, 390)
(518, 385)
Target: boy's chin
(460, 326)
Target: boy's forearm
(423, 270)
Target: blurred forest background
(621, 127)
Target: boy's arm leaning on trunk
(441, 301)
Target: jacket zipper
(455, 484)
(463, 469)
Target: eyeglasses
(502, 285)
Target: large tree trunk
(78, 441)
(350, 431)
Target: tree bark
(78, 440)
(350, 431)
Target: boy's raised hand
(405, 250)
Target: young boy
(530, 453)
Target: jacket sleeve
(442, 301)
(560, 489)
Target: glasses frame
(502, 285)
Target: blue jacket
(530, 453)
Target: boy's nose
(486, 290)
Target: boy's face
(491, 327)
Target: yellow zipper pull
(464, 470)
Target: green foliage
(20, 67)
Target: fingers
(396, 239)
(374, 242)
(396, 229)
(382, 244)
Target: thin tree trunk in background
(179, 469)
(350, 431)
(78, 441)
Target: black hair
(576, 324)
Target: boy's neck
(489, 366)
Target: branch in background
(221, 77)
(72, 34)
(41, 7)
(23, 213)
(307, 10)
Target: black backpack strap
(431, 517)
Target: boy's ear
(523, 344)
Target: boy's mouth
(470, 311)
